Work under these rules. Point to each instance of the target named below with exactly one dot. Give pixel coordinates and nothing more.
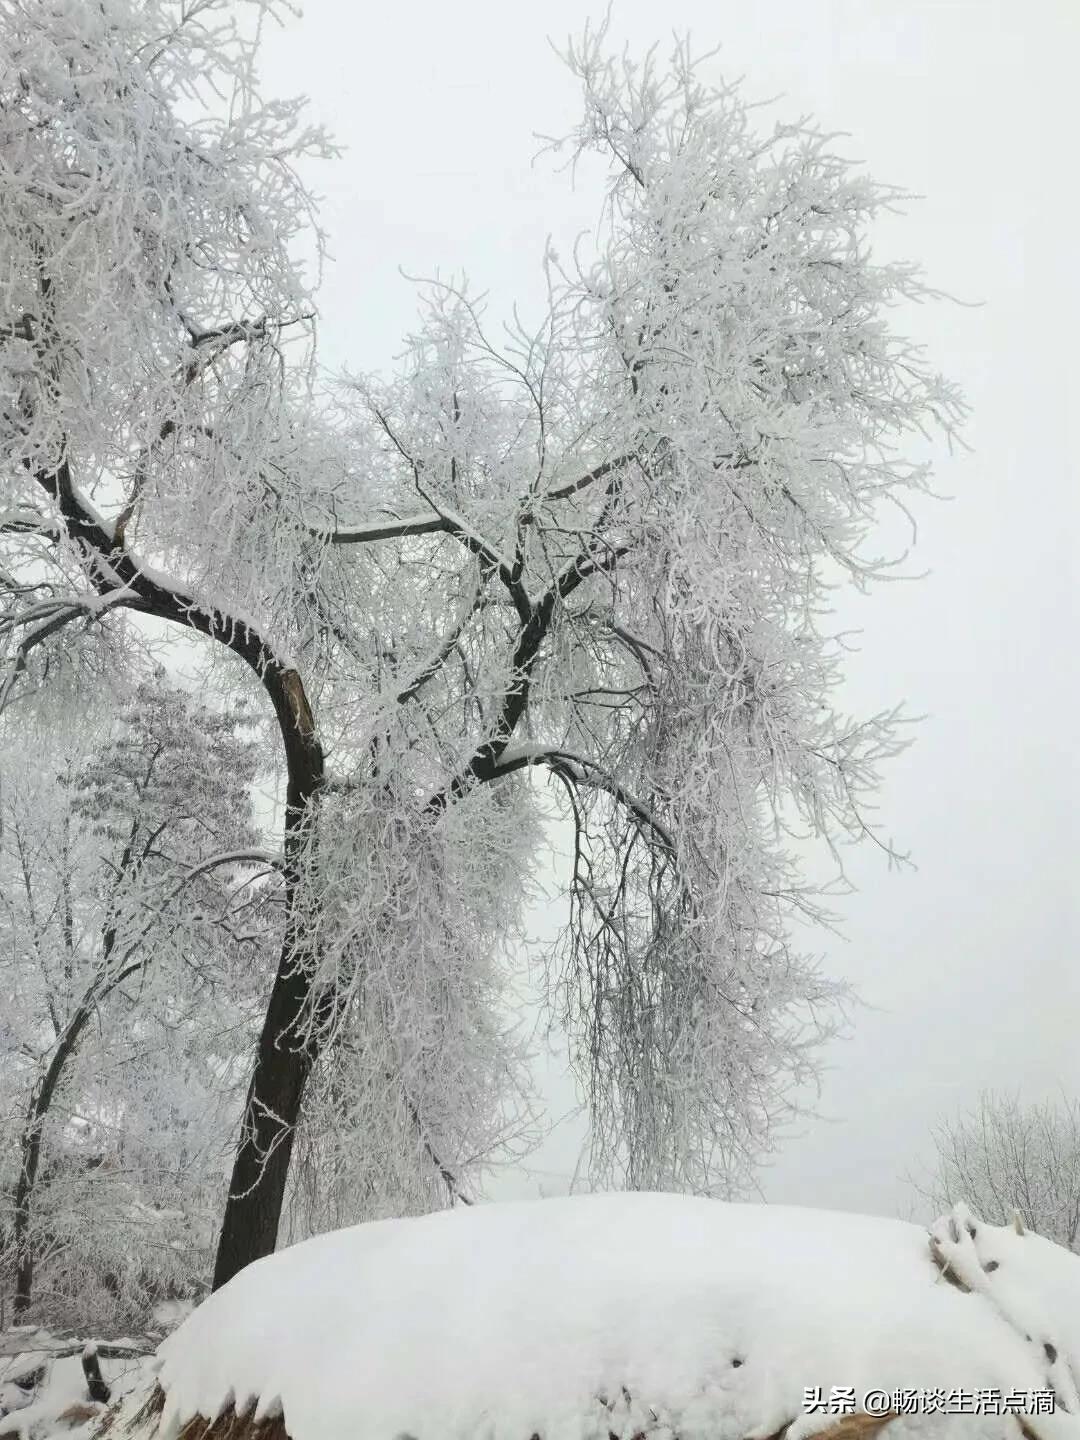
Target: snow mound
(630, 1314)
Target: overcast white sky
(970, 965)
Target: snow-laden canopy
(629, 1314)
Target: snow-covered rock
(633, 1314)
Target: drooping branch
(41, 622)
(581, 770)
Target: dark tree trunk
(285, 1055)
(30, 1155)
(257, 1189)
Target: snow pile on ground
(43, 1388)
(641, 1313)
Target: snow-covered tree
(1012, 1161)
(131, 942)
(599, 548)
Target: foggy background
(967, 967)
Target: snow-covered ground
(632, 1314)
(43, 1388)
